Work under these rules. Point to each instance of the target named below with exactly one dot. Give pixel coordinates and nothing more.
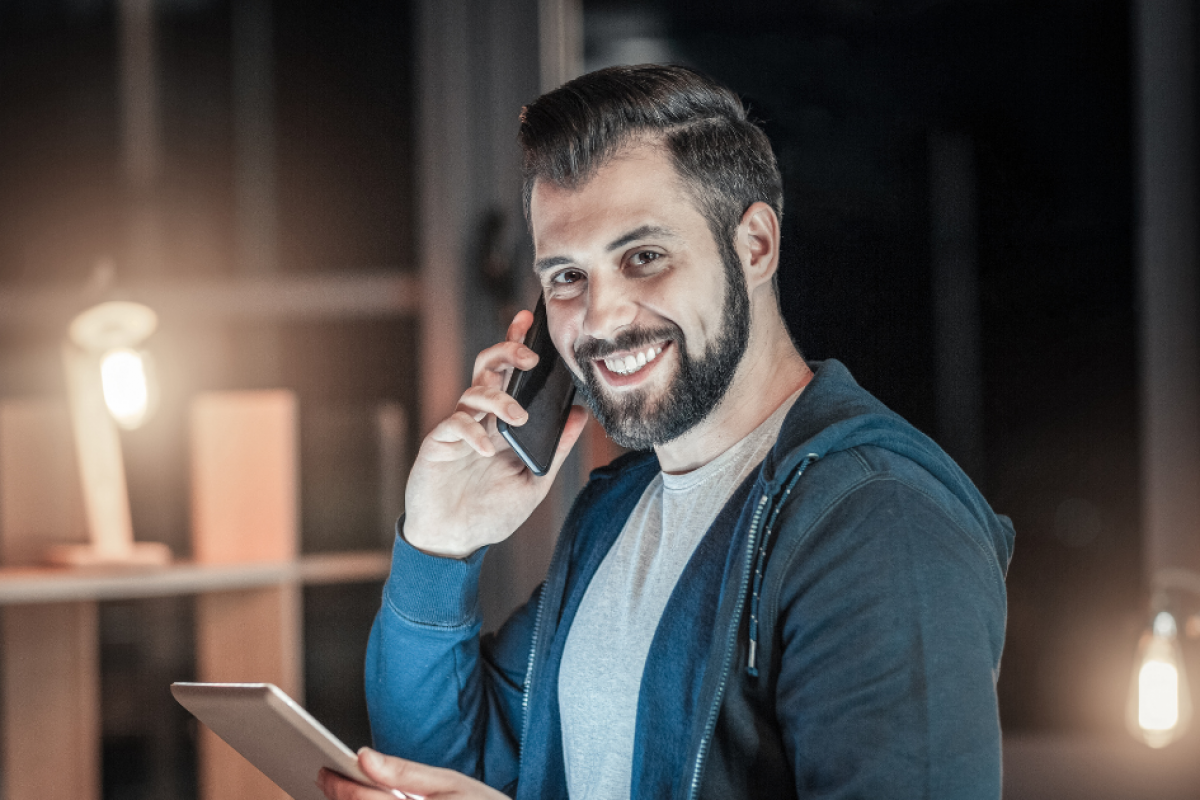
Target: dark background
(850, 94)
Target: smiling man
(785, 591)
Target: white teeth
(632, 363)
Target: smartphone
(546, 393)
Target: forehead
(638, 186)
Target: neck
(771, 371)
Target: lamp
(111, 331)
(109, 383)
(1159, 709)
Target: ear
(757, 243)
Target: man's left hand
(403, 779)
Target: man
(789, 592)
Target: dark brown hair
(725, 160)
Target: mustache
(591, 349)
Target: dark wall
(850, 94)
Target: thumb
(411, 777)
(571, 432)
(393, 772)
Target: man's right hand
(467, 488)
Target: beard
(638, 421)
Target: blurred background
(325, 197)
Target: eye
(566, 277)
(644, 257)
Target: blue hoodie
(836, 634)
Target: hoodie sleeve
(436, 692)
(890, 625)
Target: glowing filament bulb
(1159, 706)
(126, 388)
(1158, 696)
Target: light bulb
(127, 386)
(1159, 708)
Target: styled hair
(724, 159)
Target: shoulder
(876, 502)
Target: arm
(435, 693)
(891, 625)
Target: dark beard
(631, 420)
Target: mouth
(630, 368)
(631, 363)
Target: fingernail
(369, 757)
(515, 411)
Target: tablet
(273, 733)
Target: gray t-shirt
(606, 648)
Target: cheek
(563, 334)
(712, 318)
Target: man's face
(649, 312)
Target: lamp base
(139, 554)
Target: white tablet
(273, 732)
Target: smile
(634, 362)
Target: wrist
(433, 590)
(434, 545)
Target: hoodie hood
(834, 413)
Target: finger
(479, 401)
(413, 778)
(459, 428)
(520, 326)
(338, 787)
(492, 364)
(571, 432)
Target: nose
(611, 306)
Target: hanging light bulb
(1159, 708)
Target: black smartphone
(546, 393)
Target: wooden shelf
(25, 585)
(341, 295)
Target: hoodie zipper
(537, 627)
(761, 563)
(711, 722)
(533, 646)
(752, 548)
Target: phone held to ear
(546, 393)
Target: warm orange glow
(1159, 707)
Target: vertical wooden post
(51, 701)
(1168, 252)
(244, 509)
(250, 636)
(51, 694)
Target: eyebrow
(644, 232)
